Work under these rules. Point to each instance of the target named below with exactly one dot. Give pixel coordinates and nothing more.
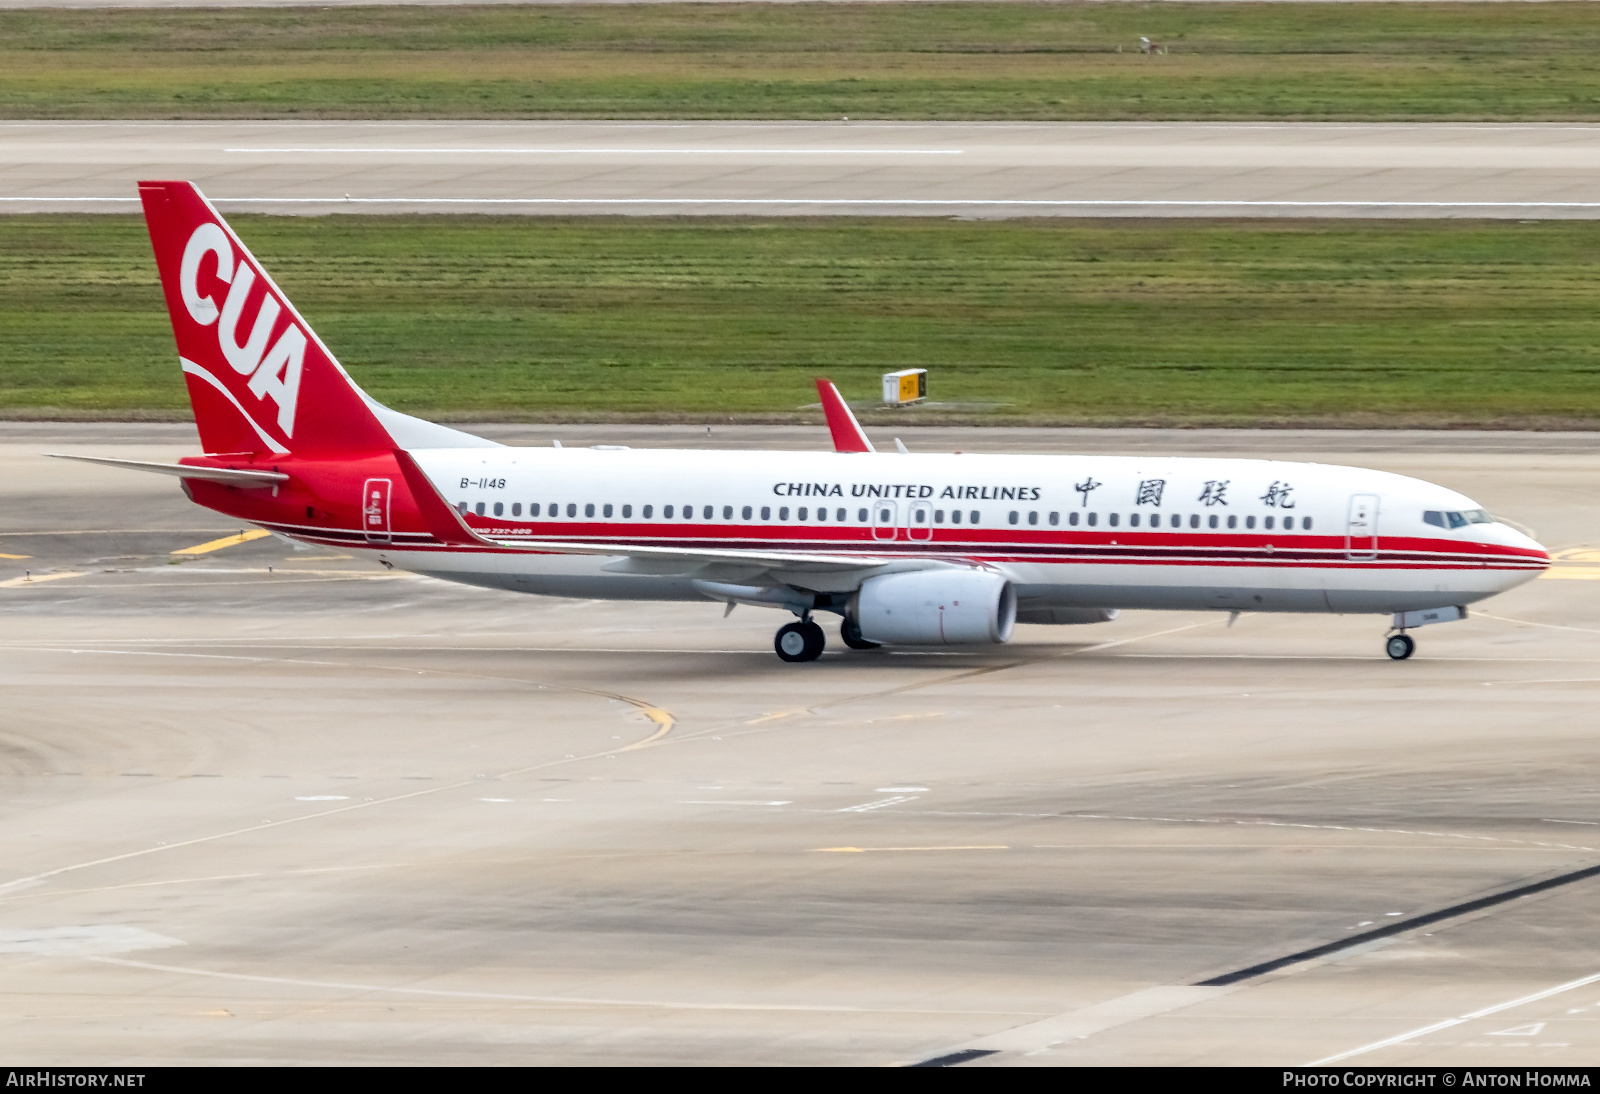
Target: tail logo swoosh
(195, 370)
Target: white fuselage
(1068, 531)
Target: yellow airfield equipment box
(905, 387)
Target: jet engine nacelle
(936, 608)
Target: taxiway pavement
(267, 805)
(805, 168)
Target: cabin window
(1176, 521)
(1288, 523)
(572, 509)
(745, 512)
(688, 512)
(516, 508)
(1211, 521)
(1113, 519)
(606, 512)
(708, 512)
(533, 509)
(1233, 521)
(1055, 518)
(1133, 520)
(478, 509)
(822, 514)
(938, 516)
(1033, 518)
(918, 515)
(955, 516)
(627, 511)
(972, 517)
(499, 508)
(647, 511)
(727, 512)
(666, 512)
(461, 508)
(1267, 523)
(1012, 517)
(588, 509)
(1305, 524)
(783, 512)
(1072, 519)
(801, 513)
(861, 515)
(1194, 520)
(1094, 518)
(766, 512)
(1249, 522)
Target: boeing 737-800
(909, 549)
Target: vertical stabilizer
(259, 378)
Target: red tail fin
(848, 435)
(259, 379)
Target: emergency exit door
(885, 522)
(1361, 532)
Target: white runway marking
(1448, 1022)
(619, 151)
(868, 807)
(871, 203)
(553, 1000)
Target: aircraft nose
(1531, 557)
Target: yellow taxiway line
(24, 581)
(225, 541)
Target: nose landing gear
(1400, 646)
(801, 641)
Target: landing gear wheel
(1400, 646)
(799, 641)
(851, 633)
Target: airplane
(908, 549)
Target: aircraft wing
(848, 436)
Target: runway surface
(799, 168)
(47, 4)
(262, 805)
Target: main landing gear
(1400, 646)
(802, 641)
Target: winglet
(847, 434)
(444, 523)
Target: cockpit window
(1456, 520)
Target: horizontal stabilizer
(229, 475)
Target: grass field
(879, 60)
(1429, 323)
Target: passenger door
(1361, 530)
